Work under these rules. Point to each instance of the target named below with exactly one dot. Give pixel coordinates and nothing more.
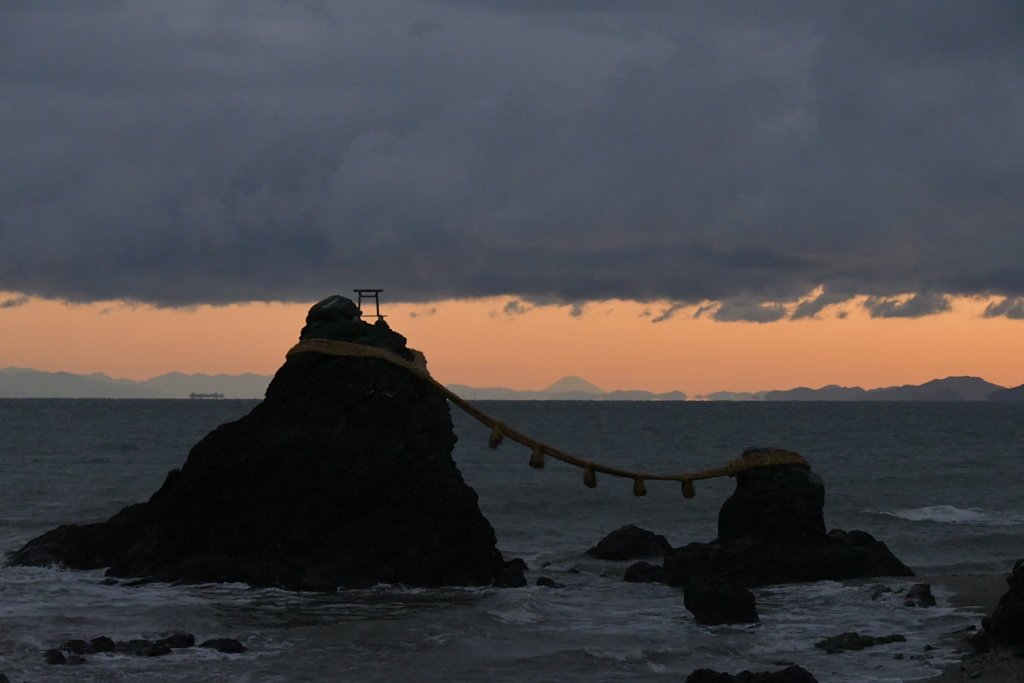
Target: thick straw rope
(499, 430)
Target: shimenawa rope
(499, 430)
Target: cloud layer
(218, 151)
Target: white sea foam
(949, 514)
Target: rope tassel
(537, 457)
(589, 478)
(496, 435)
(688, 491)
(639, 488)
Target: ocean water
(938, 482)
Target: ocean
(938, 482)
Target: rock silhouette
(1006, 625)
(342, 477)
(772, 530)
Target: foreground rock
(1005, 628)
(772, 530)
(342, 477)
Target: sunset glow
(503, 341)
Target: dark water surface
(938, 482)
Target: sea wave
(950, 514)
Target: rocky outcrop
(630, 542)
(772, 530)
(341, 477)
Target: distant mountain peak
(574, 383)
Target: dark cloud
(917, 306)
(1011, 307)
(744, 153)
(813, 306)
(749, 311)
(14, 302)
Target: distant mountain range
(566, 389)
(25, 383)
(948, 389)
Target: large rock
(772, 530)
(341, 477)
(774, 504)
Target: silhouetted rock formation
(772, 530)
(1006, 625)
(341, 477)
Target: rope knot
(497, 434)
(537, 457)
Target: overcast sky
(211, 152)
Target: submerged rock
(342, 477)
(791, 674)
(227, 645)
(644, 572)
(850, 641)
(772, 530)
(714, 601)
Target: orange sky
(613, 344)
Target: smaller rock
(75, 660)
(78, 647)
(227, 645)
(102, 644)
(55, 656)
(511, 577)
(4, 679)
(549, 582)
(715, 600)
(879, 590)
(920, 595)
(630, 543)
(644, 572)
(178, 640)
(850, 641)
(517, 563)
